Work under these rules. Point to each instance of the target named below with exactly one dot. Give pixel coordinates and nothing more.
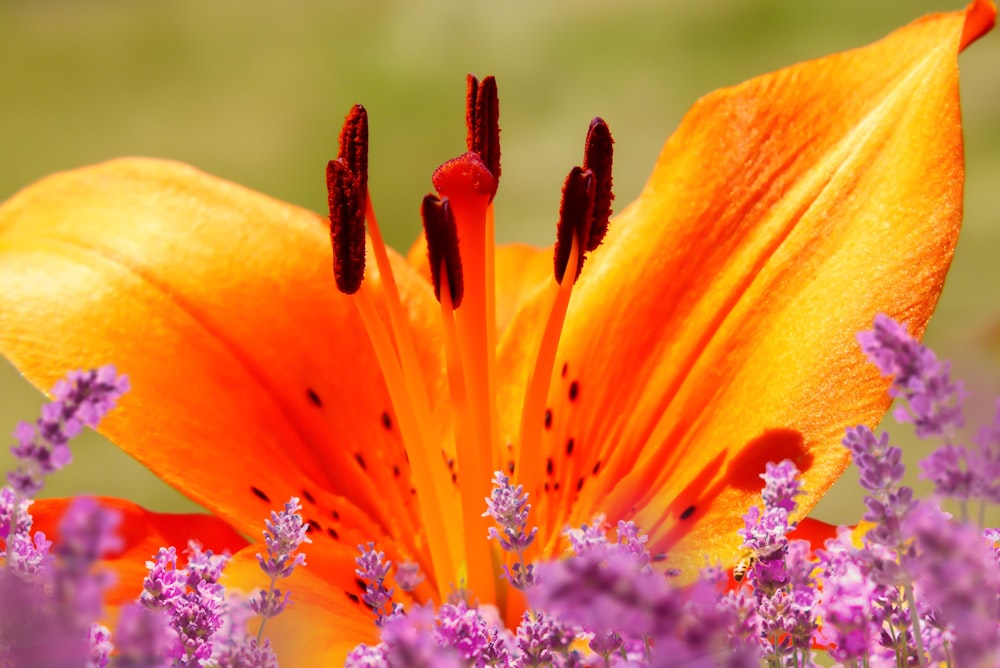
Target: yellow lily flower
(711, 332)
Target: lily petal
(143, 532)
(714, 329)
(252, 378)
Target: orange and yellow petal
(714, 329)
(252, 378)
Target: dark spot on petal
(454, 478)
(510, 467)
(569, 447)
(546, 487)
(313, 525)
(565, 369)
(313, 397)
(354, 597)
(335, 515)
(555, 487)
(413, 490)
(395, 471)
(260, 495)
(579, 484)
(749, 461)
(307, 496)
(688, 512)
(361, 584)
(597, 467)
(386, 420)
(360, 460)
(574, 390)
(332, 533)
(550, 466)
(548, 418)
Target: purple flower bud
(99, 639)
(410, 641)
(285, 534)
(408, 575)
(933, 400)
(508, 506)
(373, 569)
(83, 398)
(143, 637)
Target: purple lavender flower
(367, 656)
(87, 532)
(602, 591)
(143, 637)
(509, 507)
(541, 638)
(191, 596)
(408, 575)
(765, 532)
(252, 654)
(83, 398)
(230, 641)
(25, 555)
(588, 536)
(985, 460)
(409, 640)
(781, 485)
(99, 639)
(955, 574)
(463, 629)
(846, 601)
(933, 401)
(373, 569)
(889, 502)
(285, 534)
(33, 631)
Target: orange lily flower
(710, 333)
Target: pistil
(465, 187)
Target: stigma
(458, 222)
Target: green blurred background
(256, 92)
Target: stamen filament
(529, 457)
(428, 470)
(401, 333)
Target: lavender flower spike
(285, 534)
(83, 398)
(508, 506)
(934, 401)
(373, 569)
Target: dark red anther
(347, 226)
(597, 157)
(354, 146)
(347, 192)
(482, 120)
(576, 216)
(442, 246)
